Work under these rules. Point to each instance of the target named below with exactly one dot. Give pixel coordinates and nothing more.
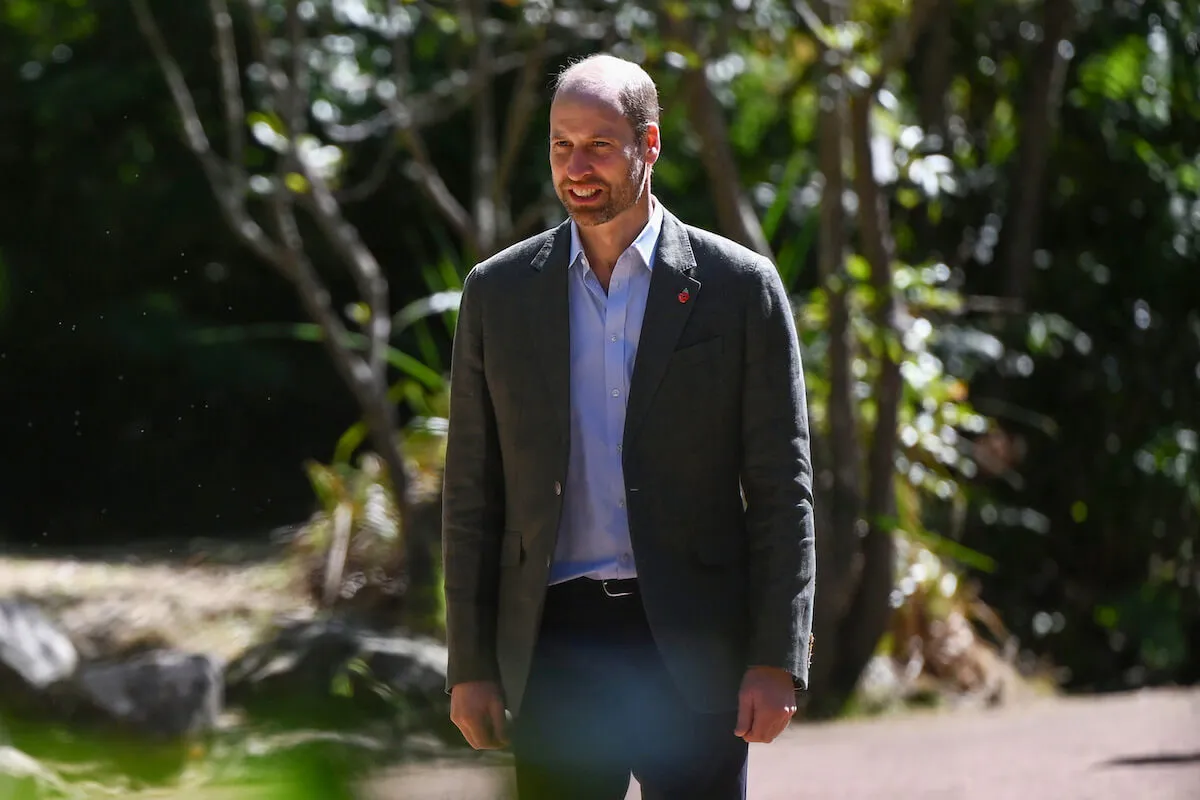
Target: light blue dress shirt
(593, 535)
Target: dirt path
(1139, 746)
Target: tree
(302, 177)
(858, 553)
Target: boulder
(161, 694)
(347, 675)
(36, 657)
(140, 717)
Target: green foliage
(353, 547)
(936, 415)
(1045, 450)
(50, 26)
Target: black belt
(611, 587)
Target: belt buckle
(604, 586)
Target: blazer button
(557, 488)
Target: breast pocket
(708, 350)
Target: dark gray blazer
(716, 407)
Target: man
(628, 531)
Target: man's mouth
(583, 194)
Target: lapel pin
(683, 296)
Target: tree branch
(484, 162)
(443, 100)
(375, 177)
(361, 263)
(421, 168)
(231, 89)
(520, 115)
(431, 184)
(815, 26)
(368, 276)
(899, 45)
(225, 190)
(297, 94)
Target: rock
(35, 656)
(882, 686)
(162, 694)
(347, 676)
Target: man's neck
(605, 243)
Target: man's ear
(652, 143)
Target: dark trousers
(600, 706)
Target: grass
(209, 597)
(205, 597)
(111, 604)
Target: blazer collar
(673, 294)
(674, 246)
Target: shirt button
(621, 503)
(616, 392)
(612, 338)
(557, 487)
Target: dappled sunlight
(232, 252)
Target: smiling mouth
(584, 194)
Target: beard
(615, 198)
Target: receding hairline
(604, 75)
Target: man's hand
(477, 708)
(766, 704)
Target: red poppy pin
(683, 296)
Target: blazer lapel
(672, 296)
(547, 313)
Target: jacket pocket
(697, 353)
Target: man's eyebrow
(599, 134)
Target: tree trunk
(1039, 118)
(735, 214)
(837, 542)
(365, 377)
(935, 72)
(870, 609)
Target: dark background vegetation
(1045, 203)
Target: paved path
(1138, 746)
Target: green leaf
(1116, 74)
(857, 267)
(792, 173)
(296, 183)
(342, 687)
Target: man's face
(596, 161)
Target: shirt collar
(644, 244)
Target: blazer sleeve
(777, 482)
(472, 502)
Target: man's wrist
(797, 684)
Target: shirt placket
(616, 342)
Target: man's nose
(578, 166)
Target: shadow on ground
(1154, 760)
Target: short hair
(637, 93)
